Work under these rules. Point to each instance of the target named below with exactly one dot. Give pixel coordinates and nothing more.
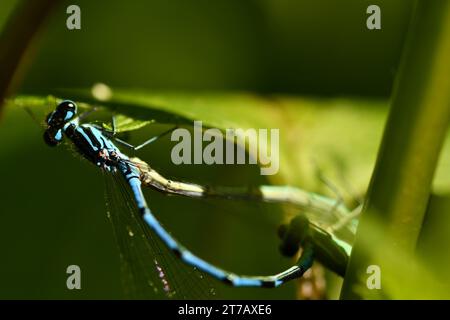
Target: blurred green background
(51, 219)
(308, 47)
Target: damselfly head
(64, 112)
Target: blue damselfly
(324, 229)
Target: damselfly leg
(333, 188)
(113, 134)
(87, 113)
(145, 143)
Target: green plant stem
(16, 40)
(413, 137)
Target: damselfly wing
(149, 269)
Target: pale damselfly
(324, 229)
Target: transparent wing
(149, 270)
(322, 212)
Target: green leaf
(125, 124)
(339, 137)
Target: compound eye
(67, 109)
(49, 117)
(67, 105)
(53, 138)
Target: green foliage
(310, 128)
(315, 134)
(312, 131)
(52, 209)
